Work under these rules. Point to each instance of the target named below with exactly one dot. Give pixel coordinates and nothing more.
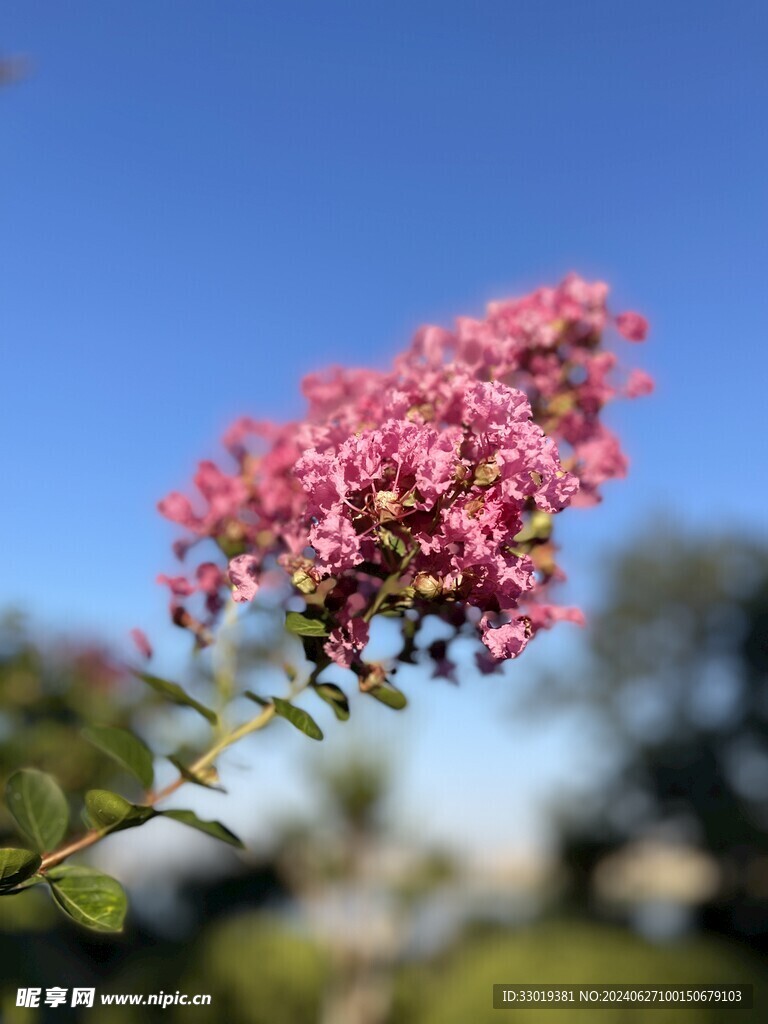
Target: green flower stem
(225, 663)
(390, 586)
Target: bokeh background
(200, 202)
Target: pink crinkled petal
(242, 573)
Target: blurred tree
(359, 892)
(677, 678)
(48, 692)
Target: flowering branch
(429, 489)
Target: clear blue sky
(201, 201)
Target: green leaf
(392, 542)
(174, 693)
(211, 828)
(128, 750)
(89, 897)
(113, 812)
(298, 717)
(16, 866)
(538, 527)
(302, 625)
(336, 697)
(208, 778)
(39, 807)
(388, 695)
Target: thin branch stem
(389, 586)
(204, 761)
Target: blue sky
(201, 201)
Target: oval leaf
(111, 811)
(298, 717)
(16, 866)
(174, 693)
(90, 898)
(336, 697)
(389, 695)
(128, 750)
(211, 828)
(302, 625)
(39, 807)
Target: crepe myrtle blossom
(431, 488)
(427, 491)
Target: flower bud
(232, 539)
(427, 586)
(474, 507)
(373, 675)
(303, 582)
(234, 530)
(487, 472)
(461, 474)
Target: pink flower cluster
(427, 489)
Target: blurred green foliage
(458, 987)
(257, 970)
(48, 692)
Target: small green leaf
(89, 897)
(174, 693)
(336, 697)
(128, 750)
(207, 778)
(388, 695)
(16, 866)
(39, 807)
(211, 828)
(298, 717)
(538, 527)
(113, 812)
(302, 625)
(392, 542)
